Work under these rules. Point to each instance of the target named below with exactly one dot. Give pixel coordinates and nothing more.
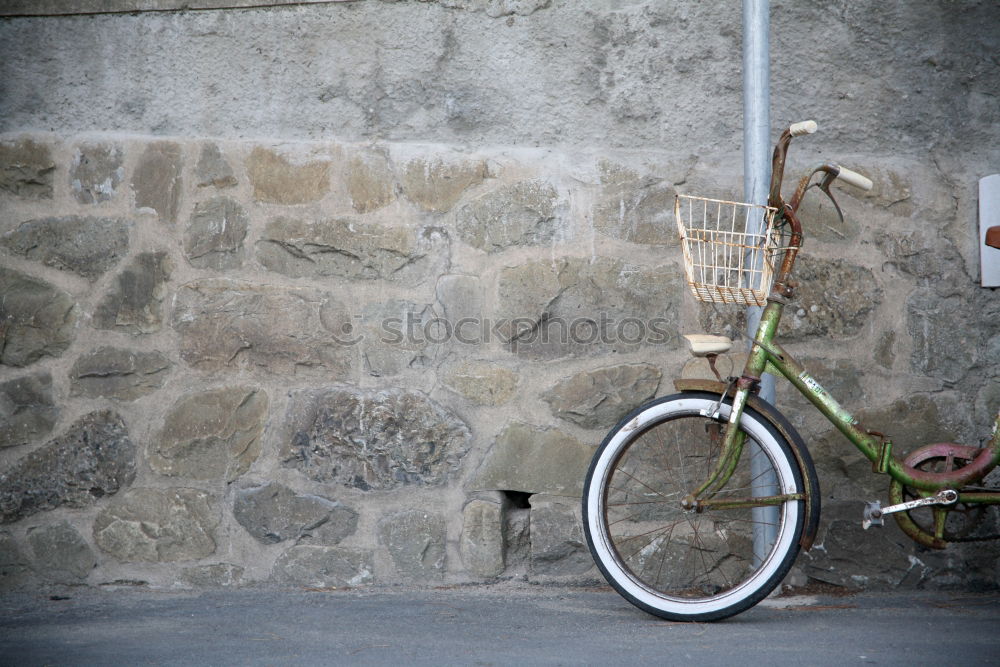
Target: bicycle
(696, 504)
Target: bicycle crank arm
(874, 512)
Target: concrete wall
(236, 245)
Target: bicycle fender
(799, 449)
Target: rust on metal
(881, 463)
(945, 450)
(733, 503)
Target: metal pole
(757, 130)
(756, 178)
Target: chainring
(936, 526)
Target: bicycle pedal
(874, 512)
(872, 515)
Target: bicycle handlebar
(805, 127)
(854, 178)
(782, 285)
(833, 171)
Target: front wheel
(683, 564)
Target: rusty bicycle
(696, 504)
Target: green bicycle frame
(768, 356)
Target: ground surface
(484, 626)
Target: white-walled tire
(681, 564)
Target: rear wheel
(684, 564)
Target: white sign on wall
(989, 216)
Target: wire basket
(729, 249)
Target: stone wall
(387, 356)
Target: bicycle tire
(679, 564)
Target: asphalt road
(499, 625)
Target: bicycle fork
(731, 441)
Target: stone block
(516, 537)
(522, 213)
(558, 547)
(970, 566)
(226, 324)
(724, 320)
(96, 172)
(925, 257)
(214, 235)
(213, 170)
(372, 441)
(134, 305)
(61, 553)
(276, 179)
(370, 182)
(436, 185)
(482, 382)
(158, 525)
(15, 567)
(599, 398)
(534, 460)
(482, 541)
(83, 245)
(952, 333)
(123, 375)
(36, 319)
(399, 335)
(157, 180)
(461, 299)
(216, 575)
(634, 207)
(885, 350)
(27, 409)
(324, 567)
(845, 555)
(574, 307)
(353, 250)
(987, 406)
(274, 513)
(211, 435)
(835, 299)
(92, 459)
(26, 169)
(415, 541)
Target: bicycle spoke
(627, 518)
(641, 482)
(663, 555)
(648, 542)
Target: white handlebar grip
(854, 178)
(805, 127)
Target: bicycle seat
(702, 345)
